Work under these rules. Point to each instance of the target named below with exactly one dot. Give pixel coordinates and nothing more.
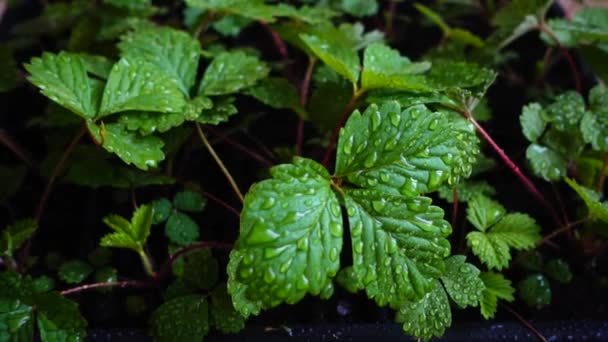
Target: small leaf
(230, 72)
(189, 201)
(63, 78)
(496, 286)
(535, 291)
(491, 251)
(141, 222)
(594, 124)
(200, 269)
(58, 318)
(546, 163)
(276, 93)
(384, 67)
(597, 209)
(290, 239)
(181, 229)
(429, 316)
(462, 282)
(135, 84)
(516, 18)
(566, 110)
(131, 235)
(466, 191)
(532, 122)
(181, 319)
(106, 275)
(162, 210)
(483, 212)
(336, 54)
(360, 8)
(559, 270)
(74, 271)
(223, 315)
(222, 110)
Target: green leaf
(74, 271)
(181, 229)
(331, 93)
(532, 122)
(162, 210)
(447, 74)
(360, 8)
(230, 72)
(142, 151)
(290, 238)
(200, 269)
(63, 78)
(231, 25)
(588, 27)
(535, 291)
(404, 151)
(516, 18)
(483, 212)
(559, 270)
(222, 110)
(594, 124)
(597, 209)
(135, 84)
(433, 16)
(492, 251)
(336, 54)
(181, 319)
(347, 278)
(131, 235)
(398, 245)
(16, 320)
(466, 191)
(106, 275)
(59, 319)
(462, 282)
(429, 316)
(465, 37)
(496, 286)
(175, 52)
(15, 235)
(222, 313)
(276, 93)
(189, 201)
(546, 163)
(97, 65)
(566, 111)
(384, 67)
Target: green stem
(145, 260)
(219, 162)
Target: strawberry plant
(342, 138)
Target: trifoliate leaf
(404, 151)
(100, 257)
(290, 239)
(181, 319)
(462, 282)
(558, 270)
(222, 110)
(466, 191)
(162, 209)
(384, 67)
(519, 231)
(174, 52)
(136, 84)
(189, 201)
(492, 251)
(546, 163)
(74, 271)
(15, 235)
(230, 72)
(16, 320)
(200, 269)
(276, 93)
(496, 287)
(532, 122)
(11, 179)
(359, 8)
(58, 318)
(594, 124)
(398, 245)
(331, 93)
(131, 235)
(483, 212)
(535, 291)
(142, 151)
(429, 316)
(63, 78)
(222, 313)
(597, 209)
(566, 111)
(181, 229)
(336, 54)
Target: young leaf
(535, 291)
(516, 18)
(135, 84)
(74, 271)
(59, 318)
(189, 201)
(290, 238)
(172, 51)
(230, 72)
(429, 316)
(222, 110)
(131, 235)
(403, 151)
(462, 282)
(222, 313)
(181, 319)
(546, 163)
(181, 229)
(532, 122)
(15, 235)
(483, 212)
(398, 245)
(384, 67)
(336, 54)
(490, 250)
(162, 210)
(597, 209)
(63, 78)
(496, 287)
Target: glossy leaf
(493, 252)
(594, 125)
(181, 229)
(230, 72)
(189, 201)
(429, 316)
(566, 110)
(496, 287)
(223, 109)
(462, 282)
(559, 271)
(483, 212)
(404, 151)
(74, 271)
(97, 65)
(290, 238)
(131, 235)
(466, 191)
(336, 54)
(276, 93)
(597, 209)
(532, 122)
(546, 163)
(16, 320)
(135, 84)
(398, 245)
(181, 319)
(535, 291)
(589, 26)
(172, 51)
(59, 319)
(162, 210)
(222, 313)
(359, 8)
(384, 67)
(63, 78)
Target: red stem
(454, 207)
(11, 144)
(573, 68)
(122, 284)
(278, 42)
(240, 147)
(303, 100)
(525, 180)
(173, 257)
(525, 322)
(222, 203)
(336, 132)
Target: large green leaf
(136, 84)
(483, 212)
(384, 67)
(429, 316)
(63, 78)
(337, 54)
(290, 238)
(566, 110)
(398, 245)
(404, 151)
(175, 52)
(59, 319)
(16, 320)
(181, 319)
(230, 72)
(496, 286)
(181, 229)
(462, 281)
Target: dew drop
(357, 229)
(335, 228)
(379, 205)
(333, 254)
(395, 118)
(302, 283)
(269, 202)
(348, 145)
(370, 160)
(376, 120)
(269, 276)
